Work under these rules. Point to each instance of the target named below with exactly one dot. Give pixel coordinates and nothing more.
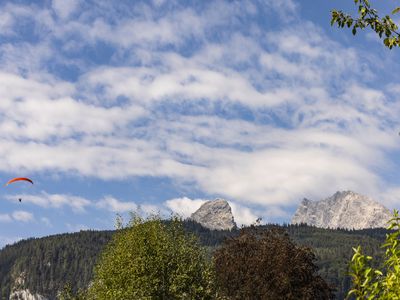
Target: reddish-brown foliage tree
(266, 264)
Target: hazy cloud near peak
(184, 206)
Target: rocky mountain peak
(344, 209)
(305, 201)
(344, 194)
(215, 214)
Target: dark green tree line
(70, 258)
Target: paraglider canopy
(19, 179)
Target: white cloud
(6, 22)
(273, 214)
(283, 6)
(115, 205)
(151, 209)
(22, 216)
(65, 8)
(390, 197)
(184, 206)
(158, 3)
(297, 119)
(277, 176)
(76, 203)
(280, 163)
(9, 15)
(274, 165)
(46, 221)
(43, 111)
(5, 218)
(243, 215)
(182, 82)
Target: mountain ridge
(344, 209)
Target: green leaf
(349, 22)
(396, 10)
(333, 21)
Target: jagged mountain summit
(215, 214)
(345, 209)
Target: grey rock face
(215, 214)
(25, 295)
(345, 209)
(21, 293)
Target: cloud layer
(17, 216)
(206, 95)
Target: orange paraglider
(18, 179)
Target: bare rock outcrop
(20, 293)
(345, 209)
(215, 215)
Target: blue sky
(113, 106)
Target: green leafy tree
(67, 293)
(153, 259)
(370, 283)
(368, 17)
(266, 264)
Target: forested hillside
(333, 249)
(51, 262)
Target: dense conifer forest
(49, 263)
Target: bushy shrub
(153, 259)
